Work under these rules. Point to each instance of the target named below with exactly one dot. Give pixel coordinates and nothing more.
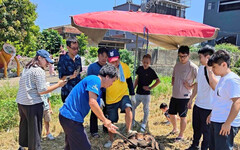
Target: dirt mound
(138, 141)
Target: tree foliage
(90, 55)
(16, 20)
(227, 46)
(127, 57)
(50, 40)
(82, 42)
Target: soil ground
(9, 139)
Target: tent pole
(135, 60)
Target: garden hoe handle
(125, 138)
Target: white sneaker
(50, 136)
(143, 127)
(131, 132)
(108, 144)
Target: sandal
(95, 135)
(172, 133)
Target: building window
(211, 6)
(229, 5)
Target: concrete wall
(163, 61)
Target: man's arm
(157, 81)
(192, 96)
(148, 88)
(212, 79)
(60, 83)
(130, 86)
(173, 80)
(225, 130)
(62, 69)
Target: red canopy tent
(166, 31)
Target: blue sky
(56, 12)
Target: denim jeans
(219, 142)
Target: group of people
(216, 114)
(109, 85)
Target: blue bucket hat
(43, 53)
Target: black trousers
(75, 135)
(94, 119)
(200, 127)
(30, 128)
(94, 122)
(64, 98)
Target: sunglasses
(74, 48)
(182, 56)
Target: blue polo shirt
(76, 106)
(66, 67)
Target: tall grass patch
(164, 88)
(8, 107)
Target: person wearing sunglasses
(69, 67)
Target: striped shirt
(31, 83)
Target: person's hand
(225, 130)
(208, 119)
(187, 85)
(111, 127)
(61, 83)
(189, 104)
(133, 99)
(102, 104)
(50, 111)
(146, 88)
(74, 75)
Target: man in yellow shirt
(117, 96)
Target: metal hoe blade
(125, 138)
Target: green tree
(50, 40)
(82, 42)
(127, 57)
(16, 22)
(227, 46)
(91, 55)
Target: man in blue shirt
(83, 97)
(94, 69)
(70, 66)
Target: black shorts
(178, 106)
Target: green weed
(164, 88)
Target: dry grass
(9, 140)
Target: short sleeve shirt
(93, 69)
(66, 67)
(118, 89)
(31, 83)
(227, 88)
(76, 106)
(145, 78)
(183, 72)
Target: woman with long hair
(32, 86)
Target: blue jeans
(219, 142)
